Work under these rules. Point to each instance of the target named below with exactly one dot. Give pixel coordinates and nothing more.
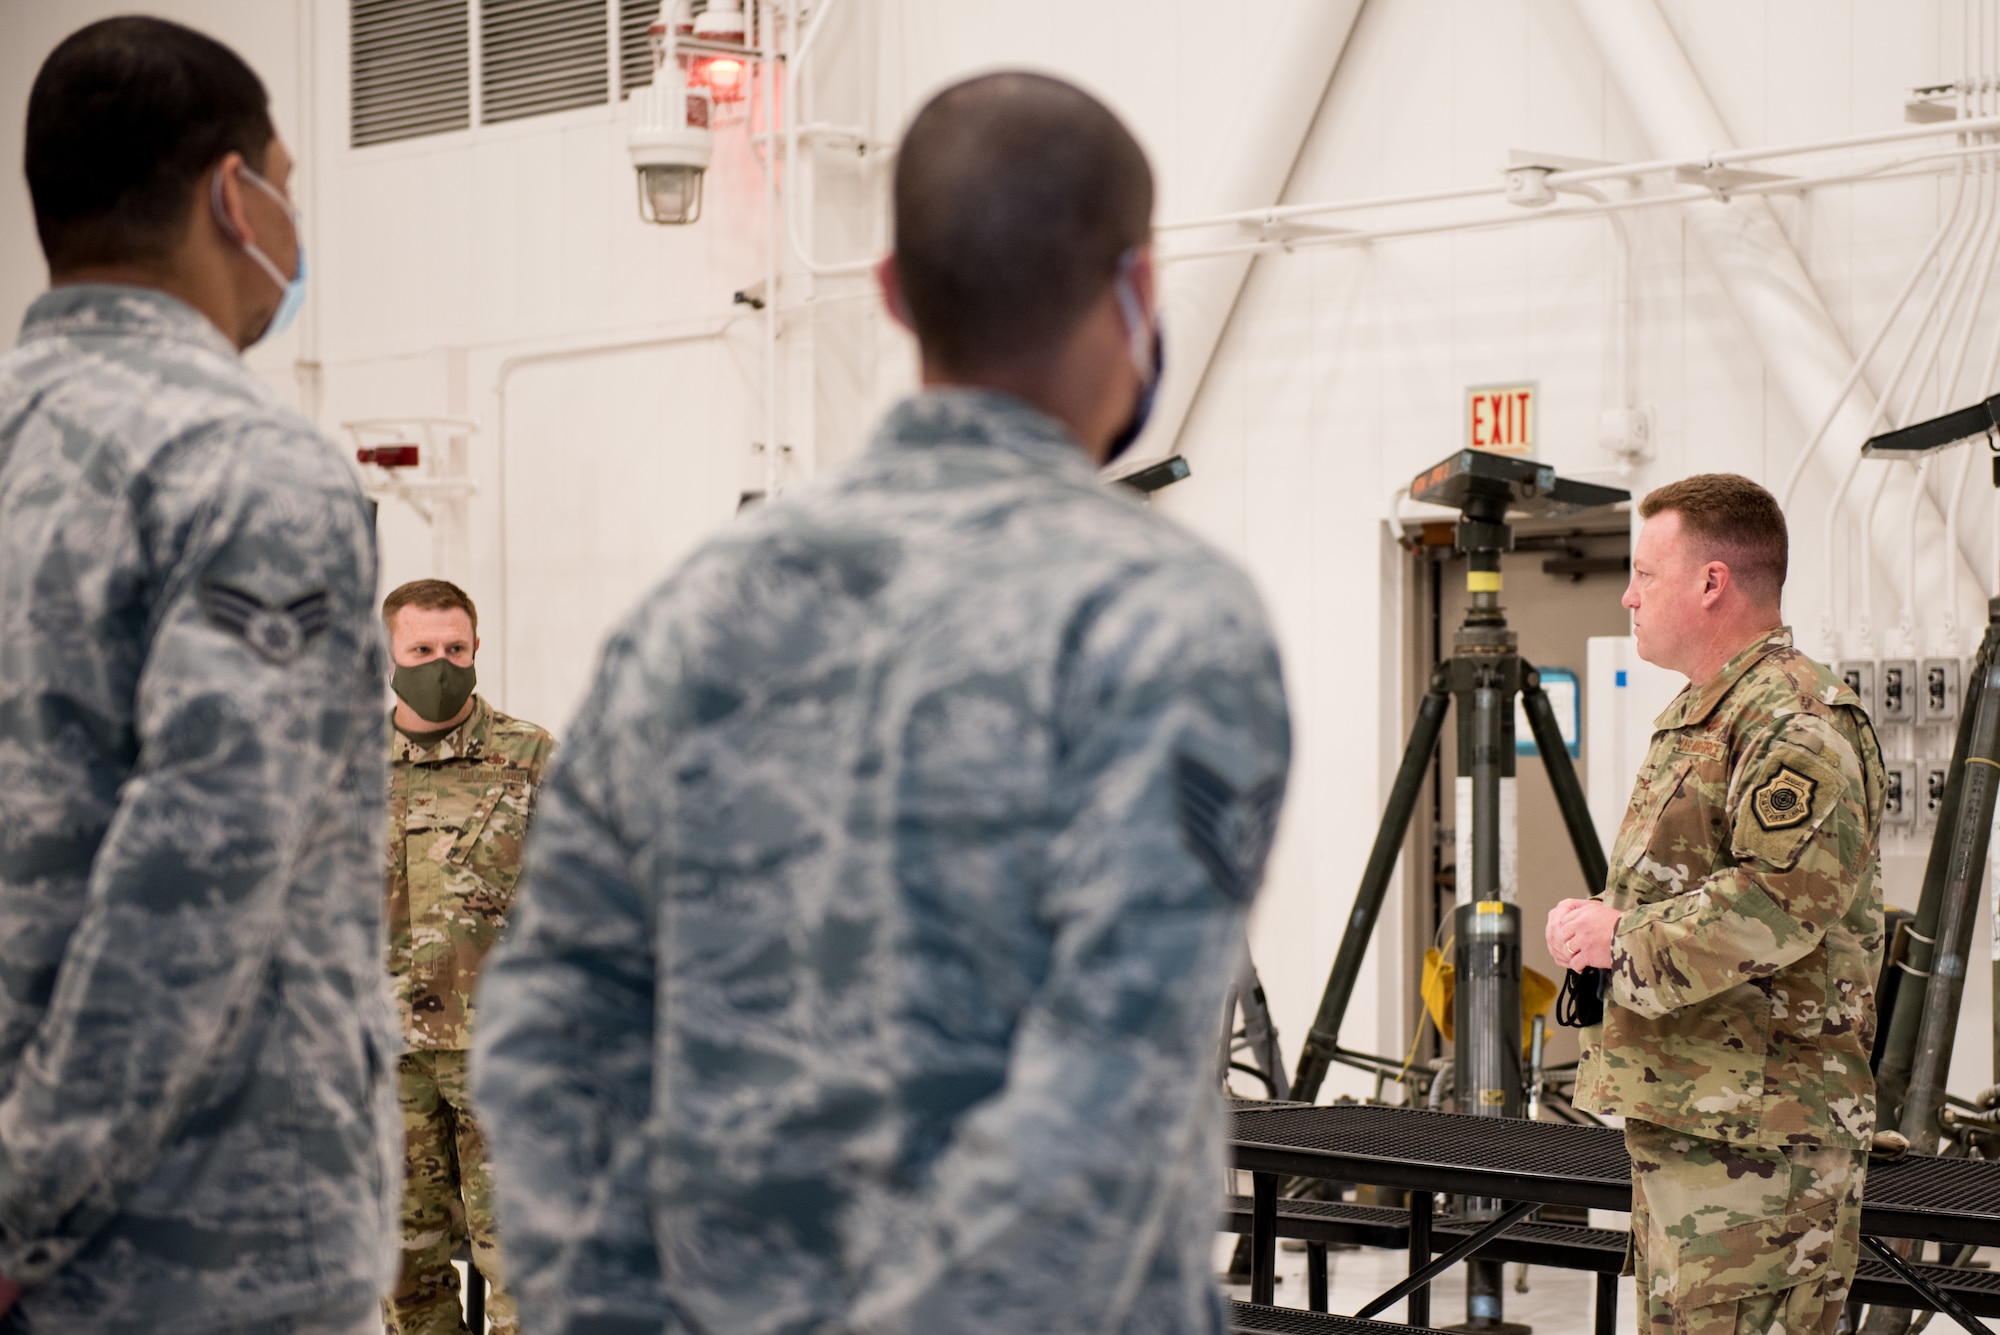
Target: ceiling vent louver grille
(635, 54)
(538, 56)
(411, 69)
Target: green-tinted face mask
(436, 690)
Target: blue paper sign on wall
(1567, 700)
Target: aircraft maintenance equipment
(1915, 1196)
(1484, 675)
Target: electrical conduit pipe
(1766, 284)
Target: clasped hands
(1579, 933)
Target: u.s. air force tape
(1784, 800)
(277, 634)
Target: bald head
(1015, 195)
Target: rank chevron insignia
(278, 634)
(1228, 830)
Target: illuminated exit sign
(1501, 418)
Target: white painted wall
(440, 263)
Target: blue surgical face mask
(293, 289)
(1147, 350)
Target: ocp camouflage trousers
(447, 1199)
(1733, 1238)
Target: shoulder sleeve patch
(1229, 830)
(1783, 800)
(1788, 798)
(277, 634)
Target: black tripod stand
(1484, 675)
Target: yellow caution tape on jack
(1482, 581)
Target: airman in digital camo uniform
(199, 1132)
(1743, 931)
(462, 783)
(881, 907)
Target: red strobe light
(726, 77)
(388, 456)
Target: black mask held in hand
(436, 690)
(1580, 1004)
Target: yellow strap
(1982, 760)
(1482, 581)
(1410, 1057)
(1423, 1017)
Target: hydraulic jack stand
(1484, 676)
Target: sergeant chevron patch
(1784, 800)
(277, 634)
(1229, 831)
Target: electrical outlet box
(1931, 777)
(1859, 674)
(1626, 432)
(1896, 691)
(1529, 187)
(1938, 701)
(1899, 804)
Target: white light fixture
(669, 138)
(722, 21)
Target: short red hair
(432, 595)
(1730, 519)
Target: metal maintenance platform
(1254, 1319)
(1536, 1163)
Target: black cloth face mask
(1142, 408)
(1139, 334)
(435, 690)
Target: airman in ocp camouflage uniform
(1742, 1001)
(460, 799)
(1742, 931)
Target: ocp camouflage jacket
(1742, 1003)
(458, 822)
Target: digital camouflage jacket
(1743, 996)
(871, 952)
(198, 1123)
(458, 822)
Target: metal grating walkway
(1961, 1186)
(1252, 1319)
(1947, 1200)
(1571, 1247)
(1505, 1144)
(1400, 1147)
